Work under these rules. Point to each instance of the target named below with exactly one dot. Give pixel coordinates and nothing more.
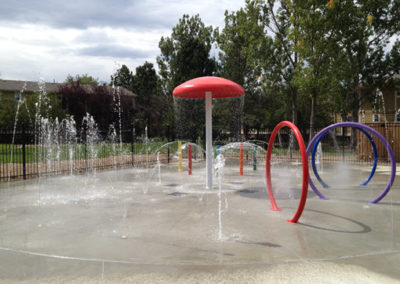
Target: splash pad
(101, 226)
(104, 226)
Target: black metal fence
(343, 144)
(23, 156)
(339, 145)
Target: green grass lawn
(14, 153)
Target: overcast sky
(51, 39)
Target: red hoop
(304, 159)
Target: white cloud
(52, 39)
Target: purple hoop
(377, 134)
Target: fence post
(168, 153)
(343, 142)
(167, 143)
(23, 152)
(133, 145)
(85, 145)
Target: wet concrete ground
(136, 226)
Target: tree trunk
(294, 107)
(312, 115)
(343, 116)
(354, 113)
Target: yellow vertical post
(180, 156)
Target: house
(385, 107)
(14, 88)
(382, 114)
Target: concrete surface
(136, 226)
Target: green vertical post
(216, 151)
(255, 157)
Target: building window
(376, 117)
(397, 116)
(397, 93)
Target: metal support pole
(209, 154)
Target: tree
(83, 79)
(260, 50)
(364, 60)
(99, 101)
(186, 55)
(238, 63)
(123, 77)
(343, 47)
(393, 59)
(149, 101)
(8, 108)
(28, 107)
(314, 25)
(275, 52)
(312, 55)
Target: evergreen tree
(123, 77)
(186, 55)
(149, 101)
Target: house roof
(32, 87)
(16, 86)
